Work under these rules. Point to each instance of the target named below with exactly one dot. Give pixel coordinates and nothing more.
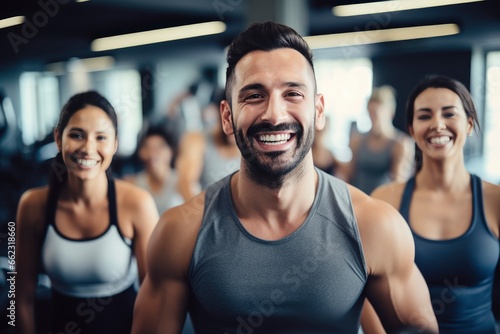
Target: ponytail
(58, 172)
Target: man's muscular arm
(395, 287)
(162, 301)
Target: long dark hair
(58, 172)
(439, 81)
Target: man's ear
(227, 119)
(320, 112)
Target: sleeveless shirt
(372, 167)
(94, 267)
(215, 165)
(459, 271)
(167, 197)
(311, 281)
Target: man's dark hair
(265, 36)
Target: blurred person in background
(158, 177)
(85, 229)
(384, 153)
(206, 156)
(323, 156)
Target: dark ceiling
(61, 29)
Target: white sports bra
(95, 267)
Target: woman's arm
(144, 219)
(30, 228)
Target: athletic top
(311, 281)
(459, 271)
(372, 167)
(215, 165)
(167, 197)
(94, 267)
(329, 169)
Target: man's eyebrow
(250, 87)
(294, 84)
(258, 86)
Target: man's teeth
(440, 140)
(86, 163)
(275, 139)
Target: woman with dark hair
(85, 229)
(453, 215)
(158, 177)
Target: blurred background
(52, 49)
(167, 75)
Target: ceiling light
(158, 35)
(87, 64)
(11, 21)
(392, 6)
(380, 36)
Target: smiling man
(279, 246)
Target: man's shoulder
(173, 240)
(186, 214)
(374, 214)
(383, 231)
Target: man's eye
(253, 96)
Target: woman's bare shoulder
(31, 208)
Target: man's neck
(272, 212)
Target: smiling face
(155, 152)
(440, 124)
(274, 111)
(88, 143)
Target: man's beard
(272, 168)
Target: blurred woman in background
(384, 153)
(158, 177)
(85, 227)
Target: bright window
(492, 115)
(39, 105)
(123, 90)
(346, 85)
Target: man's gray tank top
(311, 281)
